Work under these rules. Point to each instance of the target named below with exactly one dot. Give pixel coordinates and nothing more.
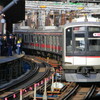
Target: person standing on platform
(0, 44)
(10, 45)
(19, 47)
(4, 46)
(20, 39)
(14, 43)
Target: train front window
(83, 40)
(75, 40)
(79, 44)
(93, 38)
(94, 44)
(79, 41)
(69, 40)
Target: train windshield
(75, 40)
(82, 40)
(79, 44)
(94, 38)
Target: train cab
(81, 51)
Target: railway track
(38, 72)
(71, 91)
(78, 92)
(82, 93)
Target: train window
(94, 44)
(79, 44)
(94, 38)
(78, 29)
(34, 38)
(31, 38)
(69, 40)
(41, 39)
(26, 38)
(47, 40)
(51, 40)
(94, 29)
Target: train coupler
(86, 70)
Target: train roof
(81, 24)
(42, 30)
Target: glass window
(31, 38)
(79, 29)
(26, 38)
(94, 38)
(94, 29)
(42, 39)
(94, 44)
(79, 44)
(69, 40)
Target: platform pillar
(21, 94)
(45, 91)
(52, 88)
(34, 92)
(1, 7)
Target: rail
(28, 80)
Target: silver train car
(77, 43)
(46, 42)
(81, 52)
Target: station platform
(4, 59)
(11, 67)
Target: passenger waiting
(4, 46)
(18, 47)
(0, 44)
(10, 45)
(14, 39)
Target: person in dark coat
(1, 44)
(4, 46)
(10, 45)
(14, 43)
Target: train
(77, 43)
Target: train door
(54, 43)
(51, 43)
(42, 45)
(57, 43)
(60, 44)
(31, 41)
(37, 41)
(41, 42)
(34, 39)
(45, 42)
(26, 40)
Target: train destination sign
(96, 34)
